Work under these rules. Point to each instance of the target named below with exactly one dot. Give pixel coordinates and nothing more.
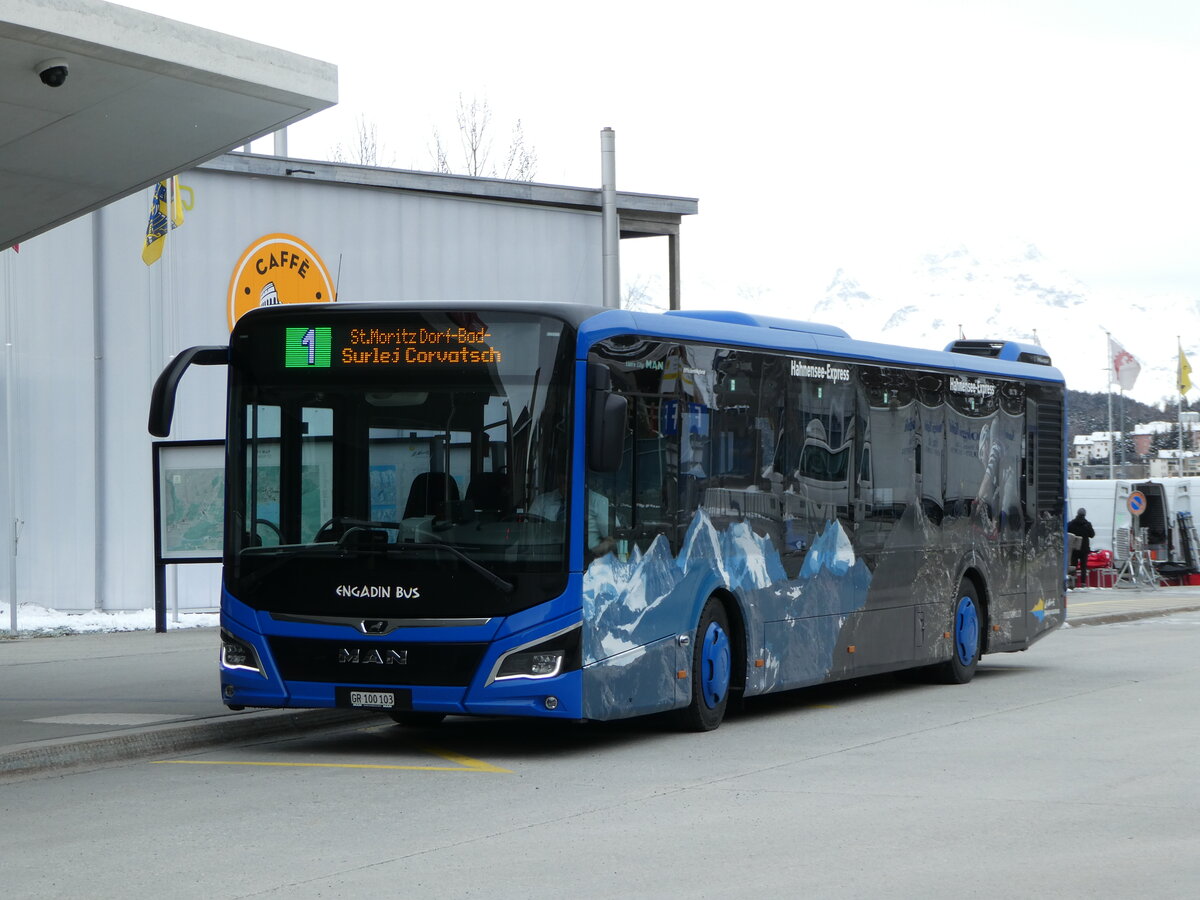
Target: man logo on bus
(373, 656)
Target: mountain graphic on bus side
(635, 602)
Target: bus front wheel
(711, 671)
(966, 637)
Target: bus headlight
(544, 658)
(530, 665)
(238, 655)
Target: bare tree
(474, 119)
(366, 151)
(441, 160)
(638, 295)
(521, 162)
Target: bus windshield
(389, 465)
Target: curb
(1131, 616)
(173, 737)
(179, 737)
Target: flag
(1125, 369)
(156, 228)
(162, 205)
(1185, 373)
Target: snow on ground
(35, 621)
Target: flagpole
(10, 377)
(1112, 444)
(1179, 363)
(1121, 423)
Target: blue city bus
(563, 511)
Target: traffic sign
(1136, 503)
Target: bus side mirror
(605, 421)
(162, 398)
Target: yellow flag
(165, 204)
(1185, 373)
(156, 227)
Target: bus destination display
(322, 347)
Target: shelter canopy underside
(145, 98)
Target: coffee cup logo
(276, 269)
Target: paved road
(94, 698)
(1067, 771)
(84, 699)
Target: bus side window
(616, 487)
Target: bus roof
(734, 327)
(745, 329)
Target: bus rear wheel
(966, 635)
(712, 670)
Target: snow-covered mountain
(1018, 296)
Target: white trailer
(1106, 502)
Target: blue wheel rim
(715, 665)
(966, 630)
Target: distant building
(1091, 453)
(1090, 448)
(1172, 463)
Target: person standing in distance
(1081, 528)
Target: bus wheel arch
(716, 667)
(967, 631)
(737, 634)
(983, 600)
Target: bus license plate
(373, 699)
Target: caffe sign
(277, 269)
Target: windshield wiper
(361, 526)
(505, 586)
(356, 528)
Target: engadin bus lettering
(802, 368)
(378, 591)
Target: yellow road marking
(467, 762)
(464, 764)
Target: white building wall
(94, 326)
(52, 467)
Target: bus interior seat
(429, 493)
(489, 494)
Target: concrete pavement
(86, 698)
(82, 699)
(1101, 606)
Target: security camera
(53, 72)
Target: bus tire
(966, 637)
(712, 670)
(411, 719)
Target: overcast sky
(816, 135)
